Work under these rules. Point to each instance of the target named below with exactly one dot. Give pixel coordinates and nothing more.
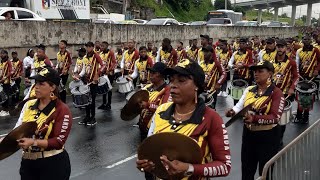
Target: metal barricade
(299, 160)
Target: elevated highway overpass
(276, 4)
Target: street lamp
(225, 4)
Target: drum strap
(93, 70)
(17, 69)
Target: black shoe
(103, 106)
(84, 121)
(107, 107)
(92, 122)
(305, 119)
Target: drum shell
(125, 86)
(287, 113)
(3, 97)
(305, 98)
(79, 99)
(236, 91)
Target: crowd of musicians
(183, 85)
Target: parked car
(274, 24)
(19, 14)
(184, 24)
(126, 22)
(265, 23)
(198, 23)
(163, 21)
(246, 23)
(219, 22)
(105, 21)
(140, 21)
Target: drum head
(122, 80)
(84, 89)
(74, 84)
(102, 80)
(75, 91)
(306, 87)
(239, 83)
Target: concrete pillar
(276, 13)
(259, 16)
(293, 15)
(309, 12)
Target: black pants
(91, 108)
(17, 97)
(52, 168)
(147, 175)
(8, 102)
(215, 97)
(225, 84)
(104, 97)
(258, 147)
(63, 94)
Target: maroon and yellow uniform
(64, 62)
(169, 58)
(109, 60)
(244, 59)
(92, 70)
(17, 68)
(182, 54)
(308, 61)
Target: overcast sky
(303, 11)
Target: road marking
(121, 162)
(2, 135)
(77, 117)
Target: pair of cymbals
(239, 115)
(132, 108)
(173, 145)
(9, 144)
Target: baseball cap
(89, 44)
(82, 50)
(207, 49)
(47, 74)
(41, 46)
(158, 67)
(270, 40)
(188, 68)
(263, 65)
(281, 42)
(205, 36)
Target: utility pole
(225, 4)
(318, 18)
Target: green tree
(220, 4)
(304, 18)
(284, 15)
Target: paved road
(108, 151)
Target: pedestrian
(5, 80)
(17, 70)
(224, 57)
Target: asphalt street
(108, 150)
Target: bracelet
(35, 143)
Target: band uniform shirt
(201, 55)
(5, 71)
(205, 127)
(17, 68)
(168, 58)
(224, 58)
(54, 122)
(241, 58)
(78, 66)
(267, 108)
(192, 54)
(286, 74)
(140, 68)
(118, 59)
(182, 54)
(38, 64)
(157, 97)
(214, 74)
(91, 68)
(308, 61)
(264, 56)
(64, 61)
(128, 60)
(109, 60)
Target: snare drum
(103, 87)
(3, 96)
(287, 113)
(237, 88)
(125, 86)
(81, 96)
(73, 84)
(305, 94)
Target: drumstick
(211, 94)
(301, 77)
(311, 79)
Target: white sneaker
(220, 93)
(4, 113)
(224, 94)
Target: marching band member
(204, 43)
(108, 58)
(181, 52)
(224, 57)
(188, 115)
(159, 93)
(236, 45)
(5, 80)
(91, 72)
(192, 53)
(64, 62)
(150, 48)
(97, 47)
(308, 62)
(286, 75)
(154, 54)
(27, 63)
(240, 61)
(167, 54)
(141, 67)
(17, 70)
(44, 156)
(291, 53)
(214, 74)
(79, 64)
(270, 52)
(190, 45)
(261, 132)
(129, 58)
(40, 60)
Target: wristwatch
(190, 171)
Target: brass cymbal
(132, 108)
(239, 115)
(9, 144)
(173, 145)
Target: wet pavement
(108, 150)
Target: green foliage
(220, 4)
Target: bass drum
(305, 94)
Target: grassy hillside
(195, 13)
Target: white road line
(77, 117)
(121, 162)
(2, 135)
